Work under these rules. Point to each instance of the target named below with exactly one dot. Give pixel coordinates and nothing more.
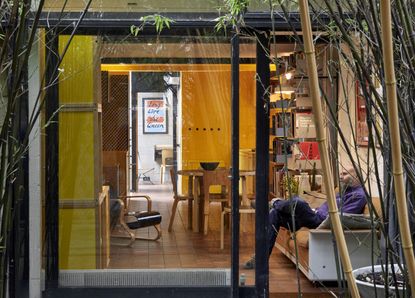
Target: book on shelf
(280, 148)
(281, 122)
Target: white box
(304, 126)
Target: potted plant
(376, 281)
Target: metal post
(235, 165)
(262, 165)
(52, 169)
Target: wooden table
(199, 183)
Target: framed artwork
(154, 116)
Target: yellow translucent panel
(76, 75)
(76, 155)
(77, 239)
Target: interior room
(158, 126)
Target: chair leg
(206, 224)
(131, 235)
(189, 213)
(223, 205)
(161, 174)
(157, 237)
(243, 221)
(173, 213)
(222, 229)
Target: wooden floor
(183, 248)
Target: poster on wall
(154, 116)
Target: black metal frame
(235, 165)
(173, 292)
(52, 207)
(174, 90)
(119, 23)
(262, 165)
(185, 23)
(52, 162)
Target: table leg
(205, 207)
(190, 203)
(196, 205)
(245, 202)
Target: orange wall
(206, 106)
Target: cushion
(283, 237)
(350, 222)
(302, 236)
(145, 219)
(376, 205)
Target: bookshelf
(292, 131)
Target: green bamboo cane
(321, 139)
(393, 120)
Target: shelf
(302, 108)
(319, 77)
(273, 163)
(298, 108)
(286, 138)
(301, 139)
(282, 110)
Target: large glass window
(145, 158)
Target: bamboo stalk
(322, 144)
(393, 120)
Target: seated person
(351, 200)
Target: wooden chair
(133, 220)
(178, 198)
(228, 210)
(244, 208)
(166, 163)
(211, 178)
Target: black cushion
(145, 219)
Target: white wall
(347, 108)
(146, 142)
(35, 211)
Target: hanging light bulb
(288, 75)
